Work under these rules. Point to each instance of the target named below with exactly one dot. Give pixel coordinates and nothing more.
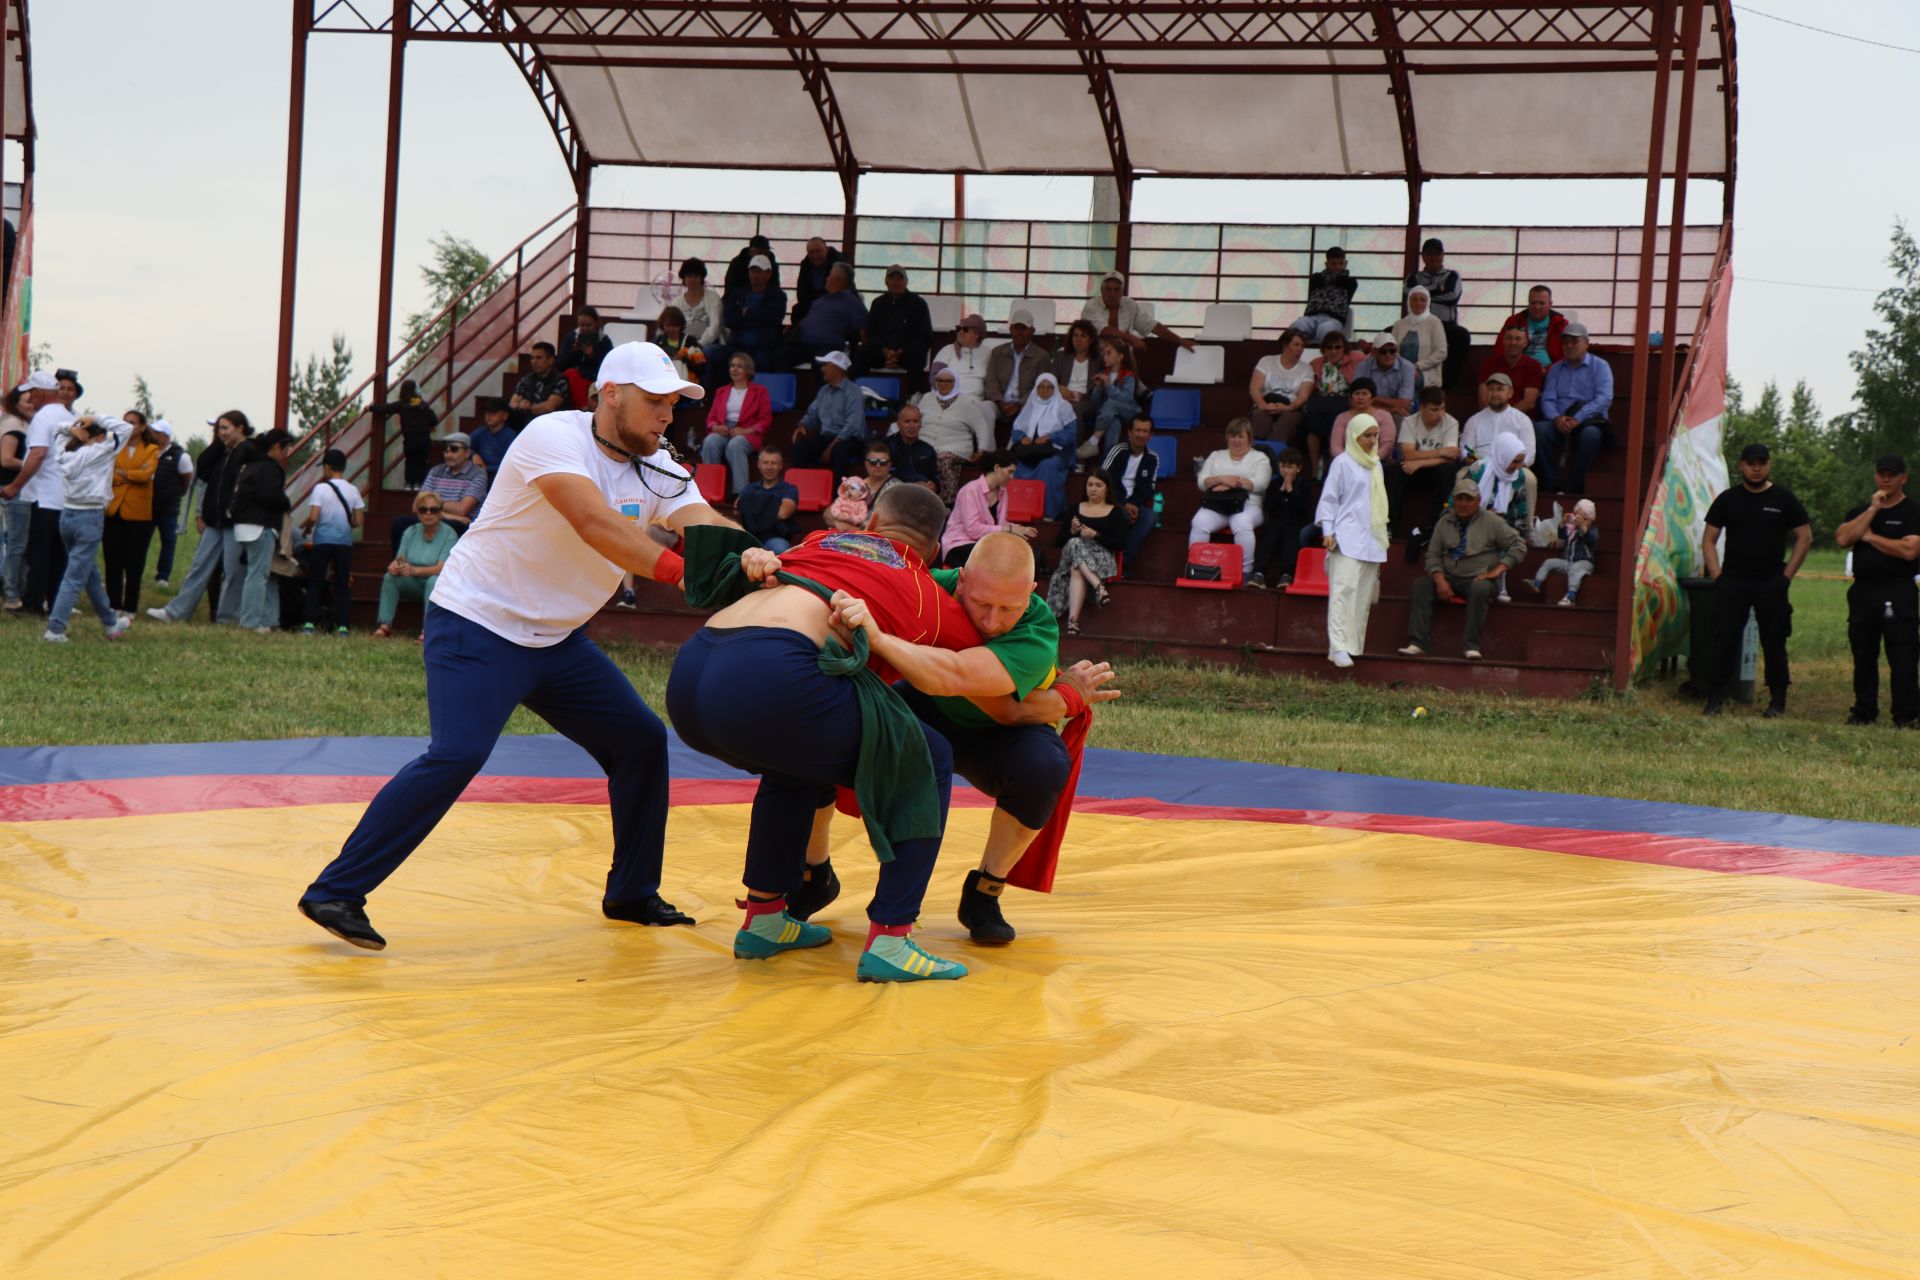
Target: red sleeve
(1555, 328)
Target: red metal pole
(290, 230)
(1642, 356)
(389, 199)
(1411, 257)
(582, 187)
(959, 197)
(1123, 231)
(850, 223)
(1677, 220)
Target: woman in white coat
(1422, 338)
(1353, 520)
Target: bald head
(996, 586)
(1004, 555)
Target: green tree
(143, 398)
(1816, 458)
(1887, 419)
(457, 266)
(322, 385)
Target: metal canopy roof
(16, 104)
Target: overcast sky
(161, 173)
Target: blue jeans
(81, 531)
(474, 681)
(736, 452)
(259, 598)
(15, 518)
(167, 525)
(1586, 441)
(218, 550)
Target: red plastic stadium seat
(1119, 567)
(710, 478)
(1309, 573)
(1225, 554)
(815, 485)
(1026, 501)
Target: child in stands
(1579, 541)
(849, 510)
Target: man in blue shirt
(835, 426)
(1395, 381)
(754, 314)
(1574, 408)
(490, 442)
(833, 322)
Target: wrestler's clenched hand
(1091, 679)
(759, 564)
(850, 614)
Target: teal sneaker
(770, 934)
(899, 959)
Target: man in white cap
(755, 312)
(39, 483)
(1013, 367)
(567, 515)
(834, 430)
(171, 481)
(1116, 315)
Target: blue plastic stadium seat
(1167, 449)
(1176, 409)
(883, 385)
(782, 388)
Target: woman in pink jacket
(980, 509)
(737, 422)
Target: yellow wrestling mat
(1219, 1049)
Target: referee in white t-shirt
(507, 627)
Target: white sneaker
(262, 631)
(120, 627)
(54, 637)
(1340, 658)
(1471, 655)
(163, 583)
(1412, 651)
(159, 615)
(123, 615)
(1566, 602)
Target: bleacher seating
(1026, 501)
(1045, 314)
(887, 387)
(945, 312)
(815, 485)
(1227, 322)
(783, 390)
(1310, 573)
(1223, 555)
(1167, 450)
(710, 478)
(1176, 409)
(1202, 366)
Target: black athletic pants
(125, 547)
(1868, 627)
(46, 558)
(1767, 598)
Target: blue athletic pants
(474, 681)
(1024, 767)
(756, 698)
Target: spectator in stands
(1578, 542)
(1334, 370)
(215, 571)
(171, 483)
(1233, 482)
(1471, 552)
(417, 421)
(1013, 367)
(671, 336)
(766, 506)
(1045, 434)
(1542, 324)
(1288, 519)
(417, 561)
(586, 344)
(462, 487)
(737, 421)
(834, 321)
(128, 530)
(1133, 472)
(848, 510)
(1442, 284)
(1361, 402)
(1395, 381)
(1422, 338)
(334, 510)
(1329, 300)
(1506, 489)
(16, 513)
(1352, 515)
(880, 477)
(1114, 315)
(1755, 575)
(914, 460)
(1117, 397)
(1429, 453)
(980, 509)
(1524, 376)
(811, 280)
(83, 452)
(1087, 541)
(491, 442)
(1575, 406)
(706, 327)
(259, 505)
(965, 358)
(834, 431)
(959, 428)
(1497, 419)
(738, 270)
(1074, 367)
(754, 311)
(899, 331)
(50, 398)
(1280, 387)
(544, 390)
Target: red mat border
(136, 797)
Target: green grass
(195, 683)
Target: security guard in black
(1758, 517)
(1883, 605)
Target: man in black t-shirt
(1882, 603)
(1758, 518)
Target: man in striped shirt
(460, 483)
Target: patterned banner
(17, 335)
(1696, 471)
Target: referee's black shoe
(652, 909)
(815, 893)
(346, 922)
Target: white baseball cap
(838, 359)
(643, 365)
(1022, 316)
(760, 262)
(40, 380)
(161, 425)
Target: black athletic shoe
(815, 894)
(346, 922)
(652, 909)
(980, 910)
(1857, 717)
(1775, 709)
(1713, 707)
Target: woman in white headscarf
(1044, 436)
(1422, 338)
(1353, 523)
(1506, 487)
(957, 425)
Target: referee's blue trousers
(756, 698)
(475, 679)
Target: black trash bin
(1702, 601)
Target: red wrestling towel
(1036, 866)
